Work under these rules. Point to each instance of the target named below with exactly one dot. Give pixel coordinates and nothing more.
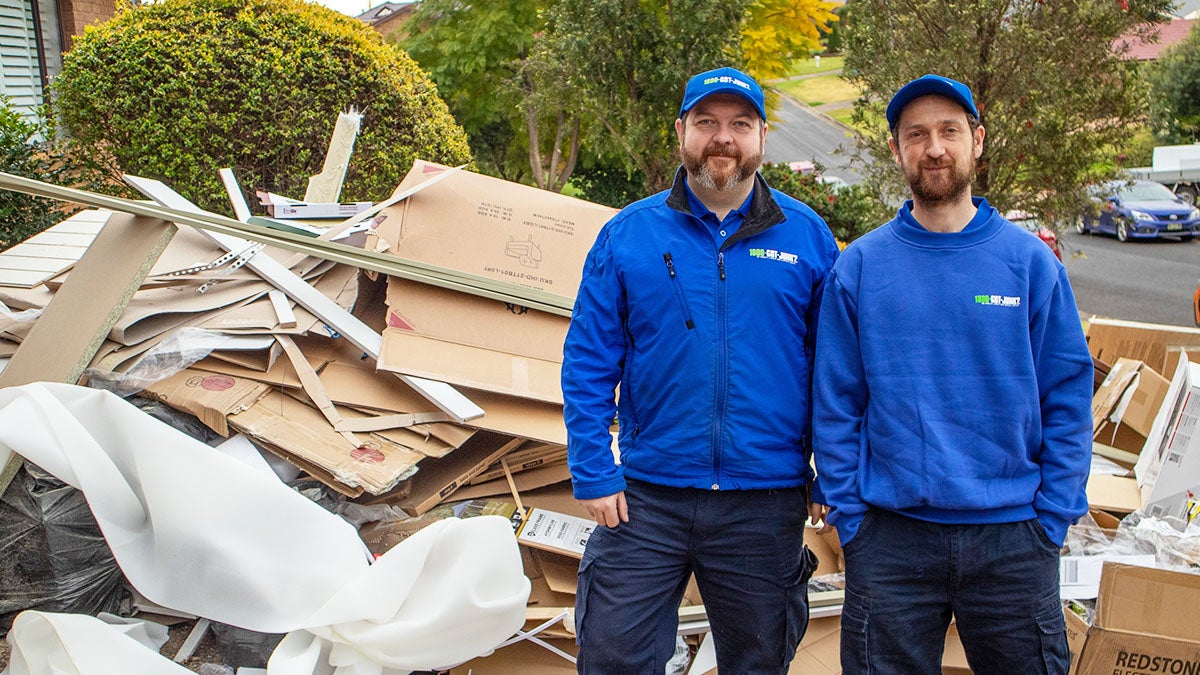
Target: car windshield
(1146, 192)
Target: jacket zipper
(722, 365)
(687, 315)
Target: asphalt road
(802, 134)
(1150, 281)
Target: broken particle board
(72, 327)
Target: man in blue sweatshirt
(699, 304)
(952, 422)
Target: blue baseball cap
(930, 84)
(723, 81)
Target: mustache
(722, 151)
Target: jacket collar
(763, 214)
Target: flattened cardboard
(494, 229)
(522, 658)
(1115, 494)
(301, 431)
(437, 479)
(1144, 624)
(525, 481)
(208, 396)
(471, 320)
(472, 367)
(1111, 339)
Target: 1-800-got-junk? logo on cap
(723, 81)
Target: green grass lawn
(809, 65)
(819, 90)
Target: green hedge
(180, 88)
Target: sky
(349, 7)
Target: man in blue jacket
(699, 304)
(952, 423)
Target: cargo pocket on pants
(855, 637)
(1052, 628)
(581, 594)
(797, 603)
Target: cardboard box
(494, 229)
(1144, 624)
(1124, 408)
(1168, 470)
(1110, 339)
(556, 532)
(1115, 494)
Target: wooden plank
(51, 251)
(445, 397)
(73, 325)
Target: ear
(679, 130)
(979, 134)
(894, 149)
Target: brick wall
(76, 14)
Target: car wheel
(1081, 226)
(1187, 193)
(1122, 231)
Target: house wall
(75, 15)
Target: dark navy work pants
(906, 577)
(746, 548)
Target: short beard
(699, 170)
(931, 193)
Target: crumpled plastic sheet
(200, 532)
(1174, 545)
(52, 554)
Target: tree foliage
(850, 211)
(775, 32)
(31, 148)
(180, 88)
(624, 64)
(475, 53)
(1176, 85)
(1054, 95)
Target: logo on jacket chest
(998, 300)
(772, 254)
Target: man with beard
(698, 303)
(952, 416)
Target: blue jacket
(710, 344)
(953, 381)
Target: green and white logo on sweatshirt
(998, 300)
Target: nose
(935, 148)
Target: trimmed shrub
(180, 88)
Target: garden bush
(180, 88)
(850, 212)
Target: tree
(1054, 94)
(624, 63)
(775, 32)
(180, 88)
(475, 53)
(1176, 86)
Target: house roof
(1186, 8)
(1166, 35)
(386, 10)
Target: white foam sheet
(197, 531)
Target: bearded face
(721, 142)
(720, 167)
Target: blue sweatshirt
(952, 380)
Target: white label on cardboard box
(1079, 576)
(556, 532)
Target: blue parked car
(1140, 210)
